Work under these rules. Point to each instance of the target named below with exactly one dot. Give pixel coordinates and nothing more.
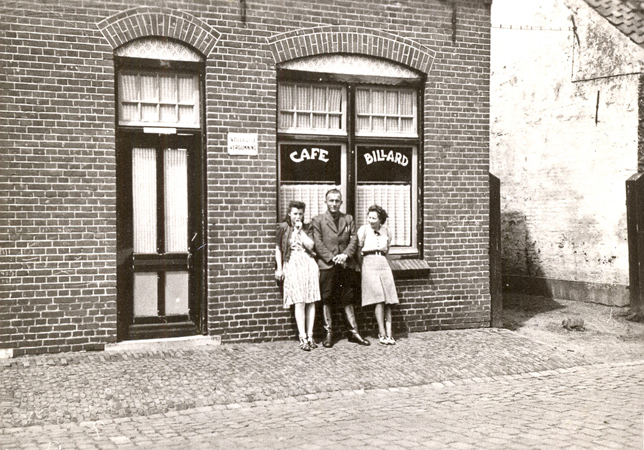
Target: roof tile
(626, 15)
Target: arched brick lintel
(354, 40)
(146, 21)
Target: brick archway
(353, 40)
(146, 21)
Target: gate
(635, 224)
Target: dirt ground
(607, 336)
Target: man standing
(336, 243)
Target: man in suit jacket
(336, 244)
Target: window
(158, 98)
(359, 134)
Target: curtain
(176, 200)
(159, 97)
(311, 194)
(188, 92)
(363, 110)
(286, 106)
(396, 200)
(303, 107)
(320, 107)
(144, 200)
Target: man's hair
(332, 191)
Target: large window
(359, 134)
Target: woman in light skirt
(296, 266)
(378, 287)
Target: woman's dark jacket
(284, 232)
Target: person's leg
(390, 336)
(380, 318)
(348, 281)
(300, 321)
(327, 285)
(310, 320)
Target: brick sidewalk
(55, 389)
(589, 407)
(421, 392)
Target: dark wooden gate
(496, 284)
(635, 224)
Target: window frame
(352, 140)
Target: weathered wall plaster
(562, 155)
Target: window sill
(409, 268)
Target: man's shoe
(328, 341)
(356, 338)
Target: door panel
(159, 232)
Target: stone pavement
(462, 389)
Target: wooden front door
(160, 235)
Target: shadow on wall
(521, 265)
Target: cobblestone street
(463, 389)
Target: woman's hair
(382, 214)
(293, 204)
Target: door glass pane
(176, 200)
(145, 294)
(176, 293)
(144, 200)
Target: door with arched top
(160, 198)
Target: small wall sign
(242, 144)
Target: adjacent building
(565, 138)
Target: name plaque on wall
(242, 144)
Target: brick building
(565, 137)
(149, 149)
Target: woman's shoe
(390, 340)
(304, 345)
(383, 339)
(312, 343)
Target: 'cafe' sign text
(304, 154)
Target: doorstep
(177, 343)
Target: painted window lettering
(384, 155)
(315, 153)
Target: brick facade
(58, 174)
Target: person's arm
(323, 252)
(305, 237)
(353, 240)
(350, 250)
(279, 274)
(388, 240)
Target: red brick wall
(58, 173)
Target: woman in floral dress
(296, 266)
